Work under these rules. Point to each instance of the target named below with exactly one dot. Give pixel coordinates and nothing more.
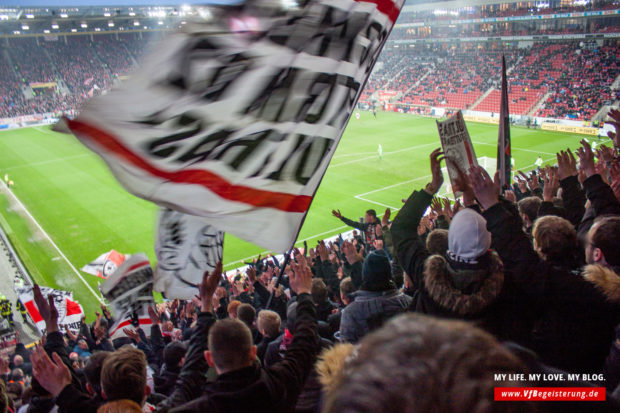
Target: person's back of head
(247, 314)
(318, 291)
(120, 406)
(346, 288)
(123, 375)
(269, 323)
(420, 364)
(377, 272)
(230, 346)
(174, 354)
(468, 237)
(233, 305)
(555, 239)
(528, 208)
(17, 375)
(437, 241)
(92, 371)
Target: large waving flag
(504, 156)
(236, 120)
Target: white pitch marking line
(10, 168)
(516, 149)
(384, 154)
(52, 241)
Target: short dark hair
(529, 206)
(247, 314)
(174, 353)
(92, 370)
(123, 375)
(230, 342)
(318, 291)
(372, 213)
(417, 363)
(607, 238)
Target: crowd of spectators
(578, 75)
(411, 312)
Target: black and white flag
(236, 120)
(186, 247)
(129, 292)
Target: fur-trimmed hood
(331, 364)
(463, 292)
(606, 280)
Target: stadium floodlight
(84, 26)
(136, 23)
(63, 15)
(73, 30)
(110, 24)
(30, 16)
(55, 26)
(16, 32)
(97, 29)
(25, 27)
(46, 31)
(106, 14)
(131, 13)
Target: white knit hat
(468, 237)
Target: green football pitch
(65, 208)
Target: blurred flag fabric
(504, 155)
(129, 292)
(235, 119)
(186, 247)
(105, 264)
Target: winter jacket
(254, 388)
(487, 296)
(577, 310)
(368, 311)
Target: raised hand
(336, 213)
(350, 253)
(153, 315)
(251, 273)
(567, 165)
(586, 159)
(437, 206)
(386, 217)
(323, 252)
(47, 309)
(614, 114)
(301, 275)
(484, 187)
(437, 180)
(208, 286)
(54, 375)
(132, 334)
(510, 196)
(552, 183)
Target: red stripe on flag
(33, 311)
(141, 321)
(386, 7)
(138, 265)
(214, 183)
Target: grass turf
(74, 198)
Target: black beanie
(377, 272)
